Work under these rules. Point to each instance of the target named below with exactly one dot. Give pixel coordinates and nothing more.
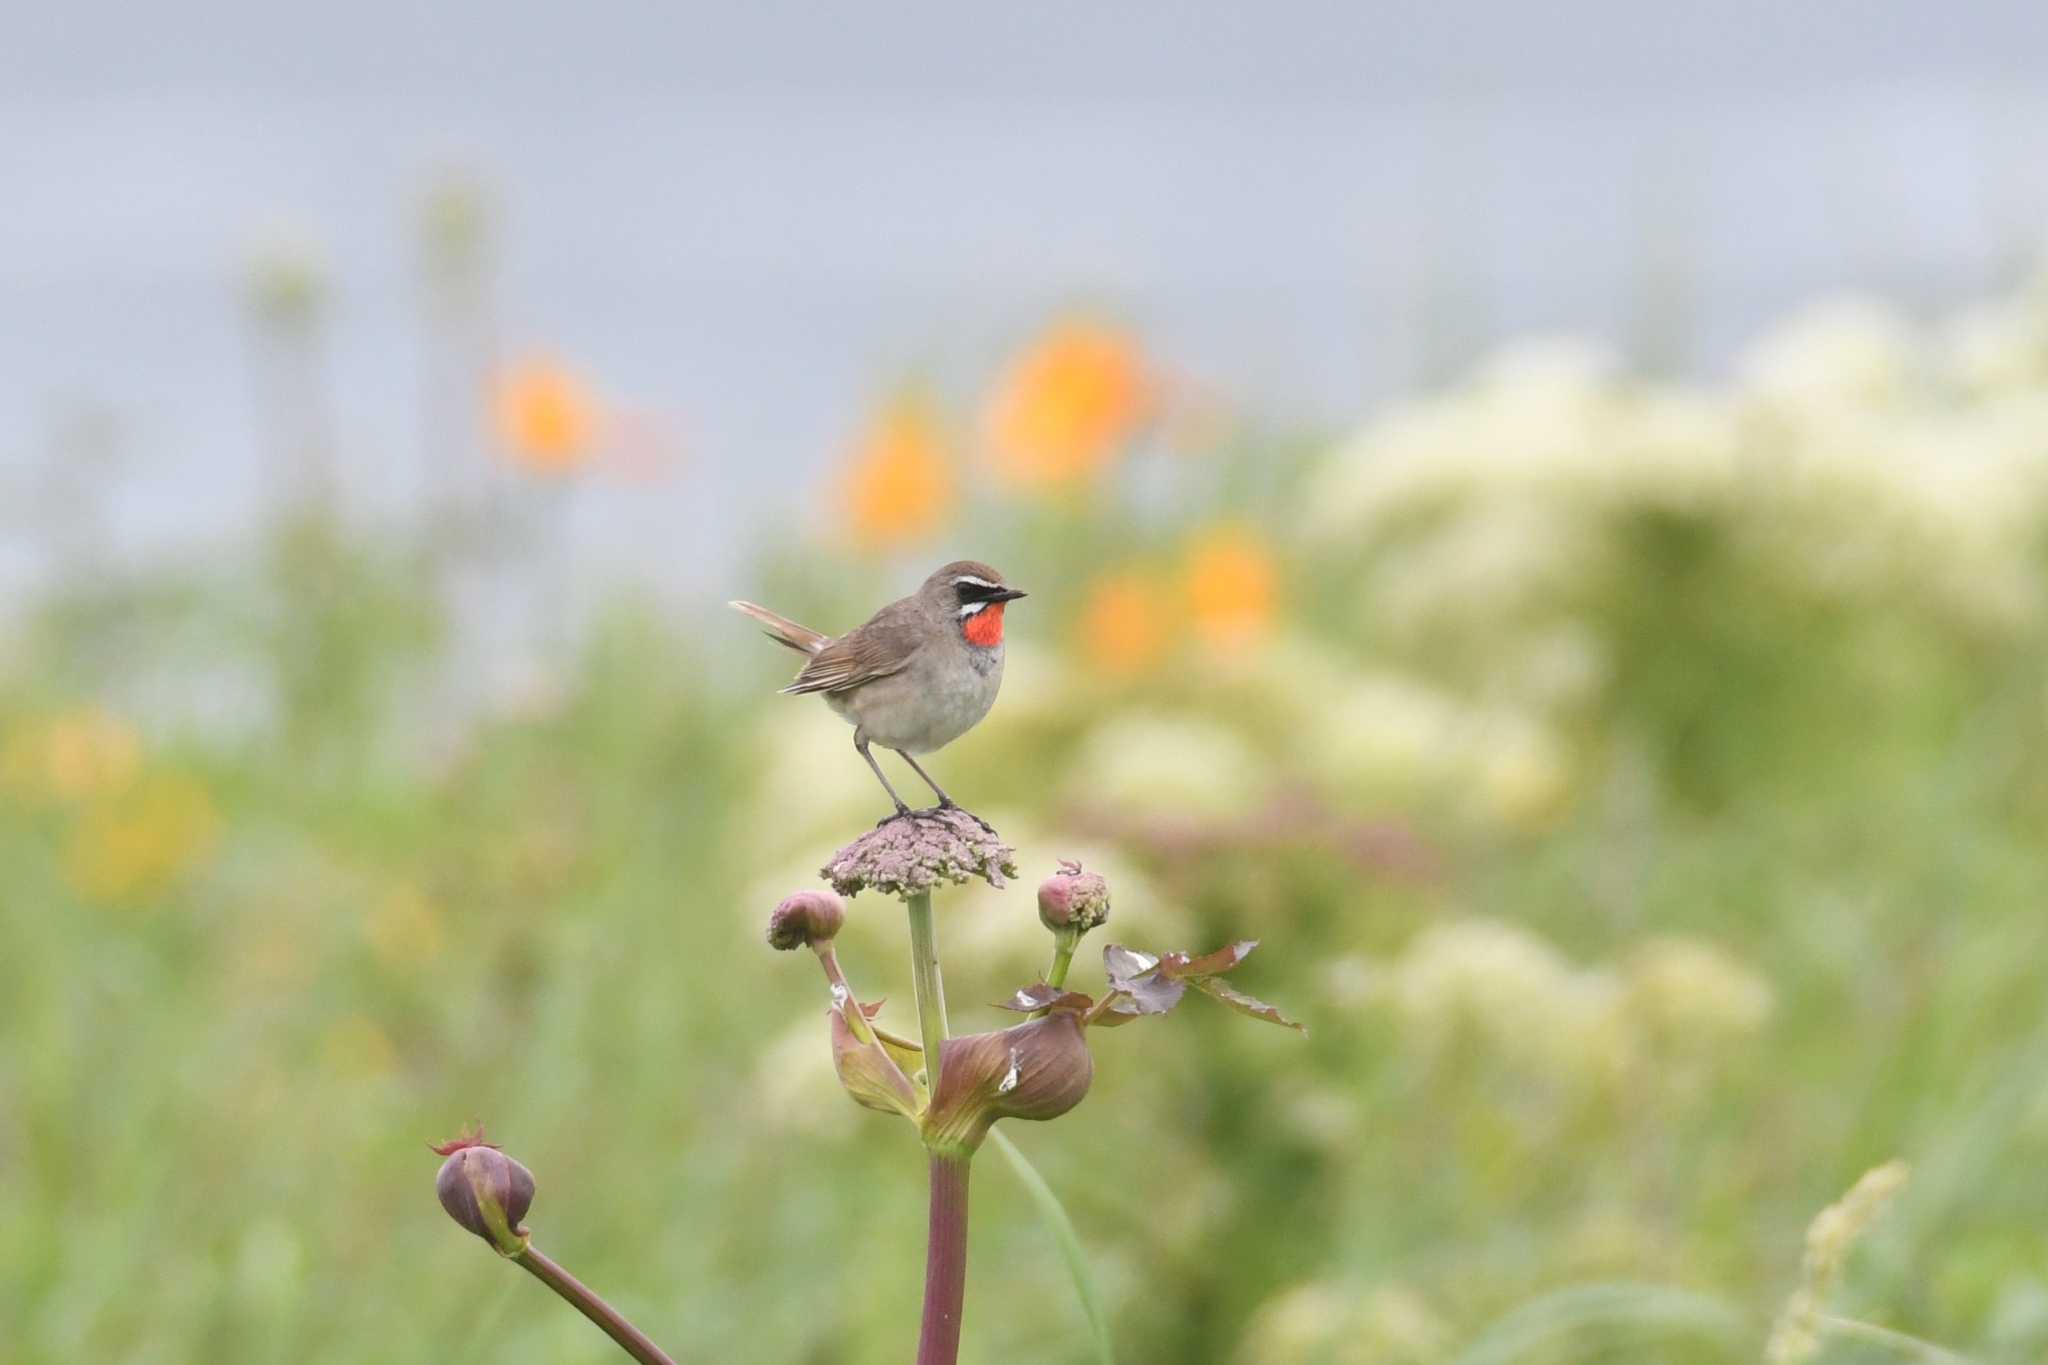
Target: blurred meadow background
(1540, 519)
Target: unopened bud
(1036, 1070)
(806, 919)
(485, 1191)
(1073, 900)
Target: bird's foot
(933, 813)
(948, 803)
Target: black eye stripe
(975, 591)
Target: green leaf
(1062, 1227)
(1568, 1316)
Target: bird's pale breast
(941, 696)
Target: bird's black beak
(1007, 595)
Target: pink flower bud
(1073, 900)
(485, 1191)
(806, 919)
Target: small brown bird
(918, 675)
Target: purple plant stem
(945, 1262)
(585, 1301)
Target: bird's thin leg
(860, 742)
(945, 801)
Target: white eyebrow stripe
(970, 609)
(969, 578)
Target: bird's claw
(933, 813)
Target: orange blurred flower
(899, 486)
(1233, 586)
(547, 418)
(140, 843)
(1068, 405)
(1123, 627)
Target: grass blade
(1055, 1215)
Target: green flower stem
(1062, 958)
(1063, 945)
(580, 1297)
(930, 990)
(945, 1262)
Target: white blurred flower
(808, 776)
(1384, 734)
(1326, 1323)
(1686, 989)
(1516, 993)
(1996, 348)
(1849, 350)
(1493, 561)
(1154, 762)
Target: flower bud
(806, 919)
(1073, 900)
(485, 1191)
(1036, 1070)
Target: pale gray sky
(752, 218)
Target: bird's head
(972, 595)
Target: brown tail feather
(782, 630)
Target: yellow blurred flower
(71, 757)
(899, 486)
(139, 843)
(1123, 624)
(1068, 405)
(547, 418)
(404, 929)
(1233, 586)
(1525, 777)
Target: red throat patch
(985, 627)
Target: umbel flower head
(484, 1190)
(912, 854)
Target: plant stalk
(1063, 944)
(585, 1301)
(930, 990)
(945, 1261)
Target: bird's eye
(974, 589)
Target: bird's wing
(881, 647)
